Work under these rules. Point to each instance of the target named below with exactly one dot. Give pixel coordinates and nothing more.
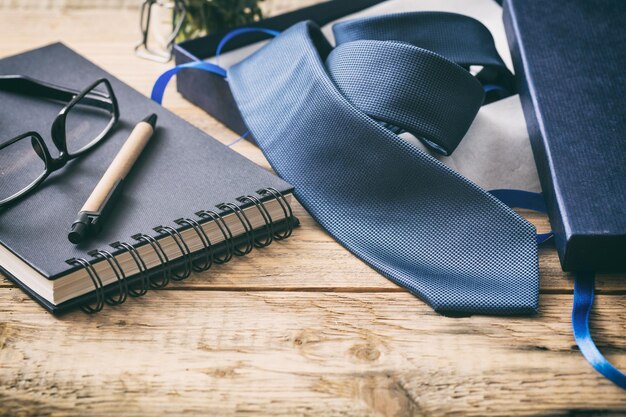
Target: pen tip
(151, 120)
(77, 233)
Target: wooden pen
(95, 210)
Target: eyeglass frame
(28, 86)
(179, 14)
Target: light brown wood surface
(299, 328)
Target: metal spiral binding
(144, 279)
(184, 250)
(285, 206)
(206, 244)
(165, 261)
(119, 274)
(247, 226)
(228, 235)
(202, 263)
(269, 224)
(97, 283)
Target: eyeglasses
(160, 23)
(86, 119)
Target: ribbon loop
(158, 89)
(583, 302)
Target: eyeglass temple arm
(25, 85)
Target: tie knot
(409, 88)
(461, 39)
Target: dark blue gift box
(211, 92)
(570, 62)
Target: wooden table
(299, 328)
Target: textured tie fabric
(325, 119)
(461, 39)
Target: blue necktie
(327, 121)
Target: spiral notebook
(189, 202)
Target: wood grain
(321, 335)
(219, 353)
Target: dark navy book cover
(570, 63)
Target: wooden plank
(276, 353)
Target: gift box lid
(570, 63)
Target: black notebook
(181, 172)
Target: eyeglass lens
(20, 166)
(87, 120)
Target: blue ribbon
(583, 301)
(239, 139)
(525, 200)
(161, 83)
